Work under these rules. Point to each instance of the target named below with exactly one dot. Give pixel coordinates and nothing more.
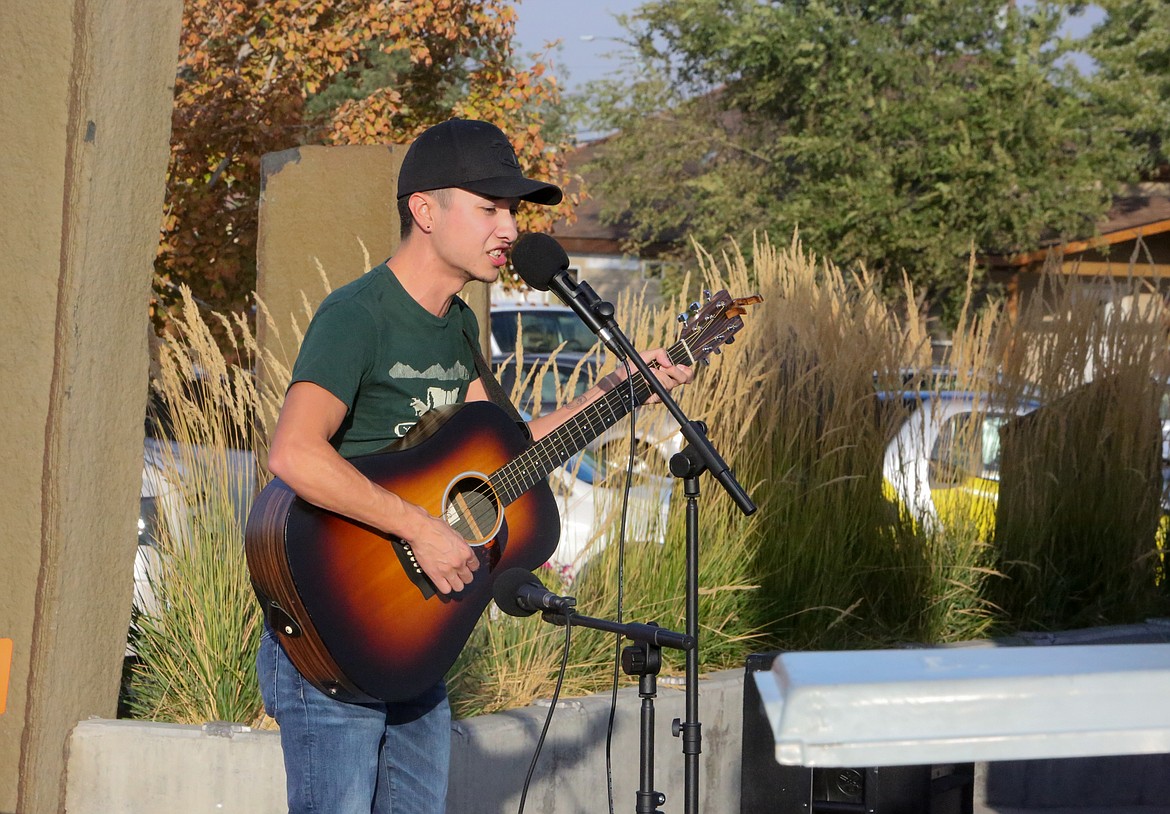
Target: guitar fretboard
(534, 464)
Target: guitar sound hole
(473, 510)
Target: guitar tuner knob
(682, 317)
(695, 306)
(707, 294)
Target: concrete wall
(324, 211)
(86, 98)
(127, 767)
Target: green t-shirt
(386, 357)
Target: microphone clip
(589, 307)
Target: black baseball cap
(470, 155)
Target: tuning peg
(695, 307)
(707, 294)
(730, 339)
(682, 317)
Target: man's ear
(420, 208)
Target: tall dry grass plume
(1081, 495)
(195, 631)
(196, 628)
(804, 406)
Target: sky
(586, 30)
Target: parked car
(589, 511)
(588, 486)
(163, 502)
(159, 501)
(942, 465)
(542, 329)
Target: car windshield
(541, 331)
(542, 385)
(968, 445)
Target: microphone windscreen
(537, 258)
(507, 587)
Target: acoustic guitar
(348, 603)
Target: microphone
(519, 593)
(542, 263)
(537, 258)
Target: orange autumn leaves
(258, 76)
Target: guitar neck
(534, 464)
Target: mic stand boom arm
(635, 631)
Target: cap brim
(516, 187)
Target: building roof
(587, 234)
(1139, 212)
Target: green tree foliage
(1131, 49)
(898, 134)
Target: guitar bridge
(410, 565)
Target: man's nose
(507, 226)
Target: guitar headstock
(707, 327)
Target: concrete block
(491, 754)
(134, 767)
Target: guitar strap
(494, 389)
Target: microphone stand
(644, 660)
(689, 466)
(699, 456)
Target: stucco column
(86, 87)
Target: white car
(589, 488)
(942, 465)
(542, 328)
(590, 514)
(159, 501)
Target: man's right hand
(442, 554)
(302, 457)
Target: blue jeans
(344, 758)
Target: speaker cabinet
(766, 787)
